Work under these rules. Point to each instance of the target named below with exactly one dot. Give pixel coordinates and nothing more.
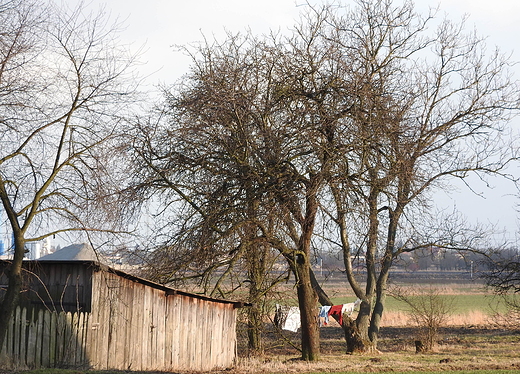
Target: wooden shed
(76, 312)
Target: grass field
(460, 349)
(471, 342)
(472, 303)
(462, 303)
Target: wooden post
(39, 330)
(46, 338)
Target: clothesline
(288, 318)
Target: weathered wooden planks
(145, 328)
(46, 339)
(131, 325)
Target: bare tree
(428, 107)
(359, 113)
(64, 92)
(235, 151)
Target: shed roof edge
(102, 267)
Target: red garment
(336, 311)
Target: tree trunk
(254, 330)
(10, 300)
(257, 272)
(382, 281)
(355, 342)
(377, 313)
(307, 299)
(356, 338)
(361, 341)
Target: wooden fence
(41, 338)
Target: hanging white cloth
(287, 317)
(348, 308)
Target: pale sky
(159, 24)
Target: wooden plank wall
(132, 326)
(139, 327)
(60, 287)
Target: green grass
(462, 303)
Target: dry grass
(459, 348)
(400, 318)
(390, 362)
(471, 318)
(474, 338)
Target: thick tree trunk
(307, 299)
(355, 343)
(358, 331)
(356, 340)
(254, 330)
(10, 300)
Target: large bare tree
(430, 103)
(359, 113)
(236, 153)
(63, 95)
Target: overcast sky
(159, 24)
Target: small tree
(429, 310)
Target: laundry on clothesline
(287, 317)
(349, 308)
(335, 311)
(324, 315)
(339, 310)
